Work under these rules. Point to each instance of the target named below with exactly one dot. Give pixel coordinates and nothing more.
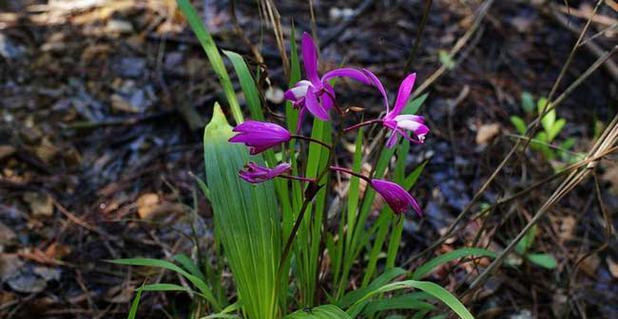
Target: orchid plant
(288, 240)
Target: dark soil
(102, 106)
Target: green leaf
(544, 260)
(411, 301)
(567, 144)
(548, 120)
(555, 129)
(355, 295)
(519, 124)
(431, 265)
(247, 220)
(163, 287)
(247, 84)
(414, 105)
(446, 59)
(209, 46)
(225, 313)
(158, 263)
(321, 312)
(189, 265)
(426, 286)
(527, 102)
(527, 241)
(135, 305)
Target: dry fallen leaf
(567, 228)
(9, 265)
(6, 151)
(147, 204)
(486, 133)
(40, 204)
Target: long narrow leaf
(429, 287)
(429, 266)
(209, 46)
(321, 312)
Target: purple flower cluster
(316, 96)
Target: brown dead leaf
(567, 228)
(121, 104)
(120, 294)
(6, 151)
(590, 265)
(46, 151)
(147, 204)
(37, 255)
(6, 235)
(486, 133)
(40, 204)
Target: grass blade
(429, 266)
(209, 46)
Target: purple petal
(392, 140)
(310, 58)
(376, 82)
(404, 93)
(395, 196)
(313, 105)
(301, 116)
(351, 73)
(328, 97)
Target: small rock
(40, 204)
(10, 50)
(47, 273)
(10, 264)
(129, 66)
(120, 103)
(27, 283)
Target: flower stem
(349, 171)
(361, 124)
(313, 140)
(298, 178)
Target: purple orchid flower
(394, 120)
(315, 94)
(260, 136)
(254, 173)
(395, 196)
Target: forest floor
(102, 105)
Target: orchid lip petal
(314, 106)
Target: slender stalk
(298, 178)
(351, 172)
(361, 124)
(312, 140)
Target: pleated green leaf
(426, 286)
(321, 312)
(246, 219)
(431, 265)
